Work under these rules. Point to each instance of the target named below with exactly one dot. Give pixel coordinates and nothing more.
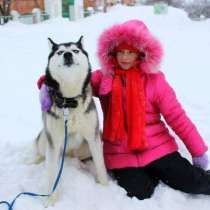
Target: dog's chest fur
(82, 121)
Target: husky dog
(68, 79)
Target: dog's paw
(38, 159)
(51, 200)
(103, 180)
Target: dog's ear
(80, 42)
(52, 45)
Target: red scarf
(126, 110)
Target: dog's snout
(67, 55)
(68, 58)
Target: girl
(138, 148)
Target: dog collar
(63, 102)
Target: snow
(23, 58)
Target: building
(26, 6)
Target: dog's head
(68, 64)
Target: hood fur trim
(136, 34)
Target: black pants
(173, 170)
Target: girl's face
(126, 58)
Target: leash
(11, 204)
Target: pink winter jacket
(160, 101)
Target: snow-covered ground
(23, 58)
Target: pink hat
(125, 46)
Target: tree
(5, 9)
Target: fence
(26, 18)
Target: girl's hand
(45, 99)
(201, 161)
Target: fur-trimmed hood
(136, 34)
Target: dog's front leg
(52, 166)
(96, 149)
(38, 147)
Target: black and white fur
(68, 76)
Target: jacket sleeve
(176, 118)
(95, 80)
(41, 81)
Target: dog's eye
(60, 52)
(75, 51)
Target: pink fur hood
(136, 34)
